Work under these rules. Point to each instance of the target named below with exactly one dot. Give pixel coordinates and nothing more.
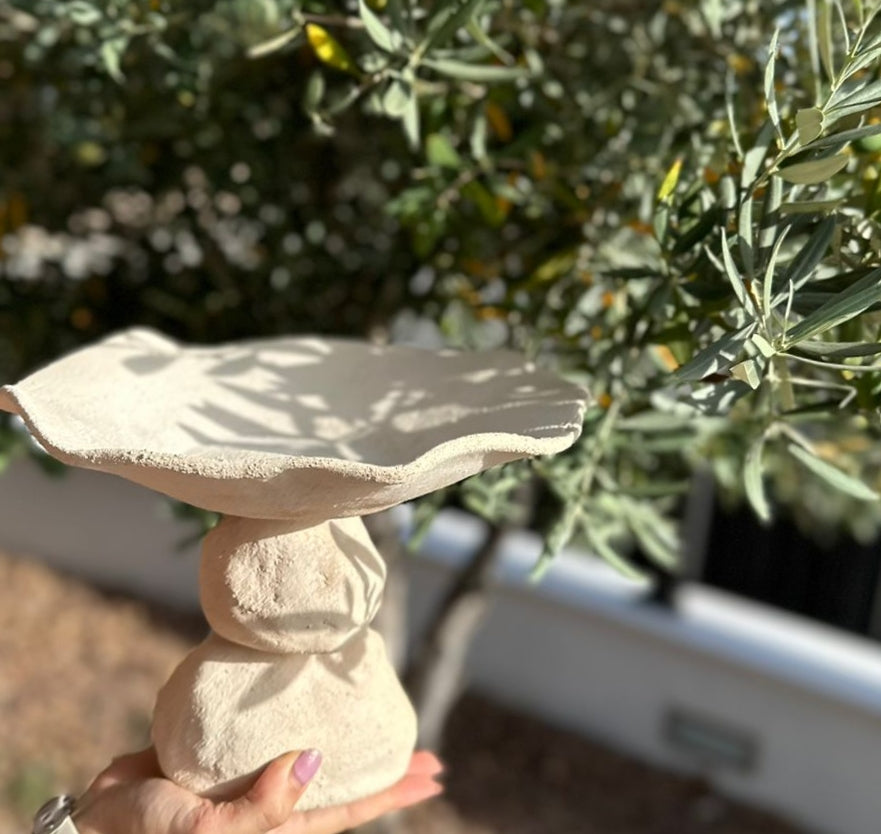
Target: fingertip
(426, 763)
(433, 788)
(413, 790)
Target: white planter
(738, 678)
(580, 650)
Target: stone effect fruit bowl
(292, 440)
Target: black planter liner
(779, 565)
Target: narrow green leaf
(749, 372)
(344, 98)
(833, 476)
(481, 73)
(810, 206)
(861, 12)
(111, 55)
(734, 277)
(753, 481)
(543, 563)
(274, 44)
(655, 421)
(853, 90)
(655, 534)
(479, 136)
(713, 13)
(845, 136)
(314, 93)
(824, 36)
(745, 236)
(753, 158)
(842, 20)
(400, 15)
(869, 54)
(847, 304)
(379, 33)
(770, 92)
(557, 538)
(717, 398)
(809, 301)
(730, 89)
(855, 101)
(838, 350)
(81, 13)
(805, 262)
(719, 356)
(813, 171)
(440, 151)
(607, 553)
(727, 193)
(768, 280)
(809, 123)
(661, 221)
(450, 17)
(486, 41)
(843, 112)
(411, 121)
(696, 233)
(764, 346)
(396, 98)
(813, 44)
(770, 217)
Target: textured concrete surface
(228, 710)
(277, 589)
(300, 428)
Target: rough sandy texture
(297, 428)
(228, 710)
(78, 674)
(275, 589)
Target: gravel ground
(79, 670)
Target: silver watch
(55, 817)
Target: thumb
(270, 801)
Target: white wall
(100, 527)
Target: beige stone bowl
(301, 429)
(291, 439)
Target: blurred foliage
(675, 203)
(29, 786)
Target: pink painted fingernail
(306, 766)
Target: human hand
(133, 797)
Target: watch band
(54, 817)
